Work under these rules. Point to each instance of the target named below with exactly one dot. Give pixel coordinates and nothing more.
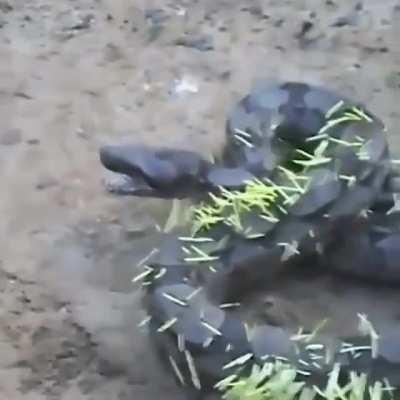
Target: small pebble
(201, 43)
(375, 49)
(359, 6)
(343, 21)
(84, 23)
(46, 183)
(226, 75)
(23, 95)
(279, 22)
(255, 10)
(183, 86)
(306, 26)
(33, 141)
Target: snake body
(329, 167)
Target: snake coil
(301, 167)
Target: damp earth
(79, 74)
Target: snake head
(145, 171)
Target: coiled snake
(302, 167)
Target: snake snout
(150, 171)
(112, 158)
(124, 163)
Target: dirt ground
(75, 74)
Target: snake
(318, 167)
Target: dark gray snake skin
(263, 131)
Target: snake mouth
(126, 178)
(126, 185)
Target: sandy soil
(78, 73)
